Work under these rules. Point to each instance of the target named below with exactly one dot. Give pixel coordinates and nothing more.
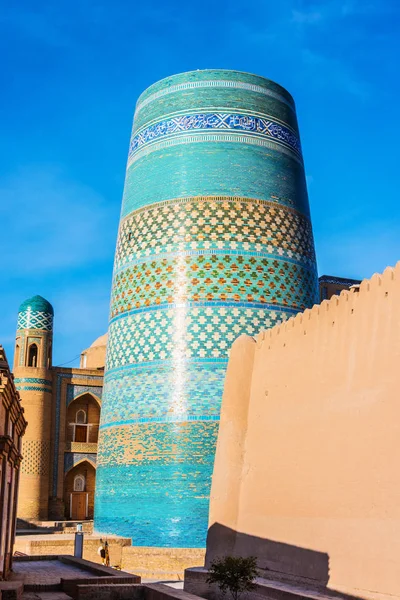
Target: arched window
(81, 416)
(79, 483)
(16, 355)
(49, 357)
(32, 355)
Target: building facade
(329, 286)
(12, 428)
(215, 240)
(62, 406)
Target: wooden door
(80, 433)
(78, 506)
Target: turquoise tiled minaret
(215, 240)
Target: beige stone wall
(160, 563)
(95, 356)
(64, 544)
(306, 470)
(35, 469)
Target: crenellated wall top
(375, 290)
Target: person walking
(107, 554)
(101, 551)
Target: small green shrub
(233, 574)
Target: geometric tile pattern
(213, 224)
(35, 384)
(213, 277)
(209, 332)
(215, 240)
(35, 319)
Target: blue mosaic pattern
(34, 384)
(198, 394)
(260, 126)
(210, 329)
(215, 240)
(201, 91)
(262, 174)
(157, 482)
(215, 84)
(73, 391)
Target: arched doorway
(79, 489)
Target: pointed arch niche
(83, 418)
(79, 486)
(17, 353)
(33, 355)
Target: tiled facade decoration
(73, 458)
(63, 399)
(73, 391)
(259, 127)
(35, 384)
(215, 240)
(36, 457)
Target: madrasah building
(62, 407)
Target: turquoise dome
(36, 303)
(35, 313)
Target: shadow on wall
(274, 559)
(24, 525)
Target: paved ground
(32, 537)
(47, 572)
(177, 585)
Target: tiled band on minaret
(215, 240)
(33, 379)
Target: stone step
(42, 587)
(45, 596)
(11, 590)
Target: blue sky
(71, 73)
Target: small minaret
(33, 379)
